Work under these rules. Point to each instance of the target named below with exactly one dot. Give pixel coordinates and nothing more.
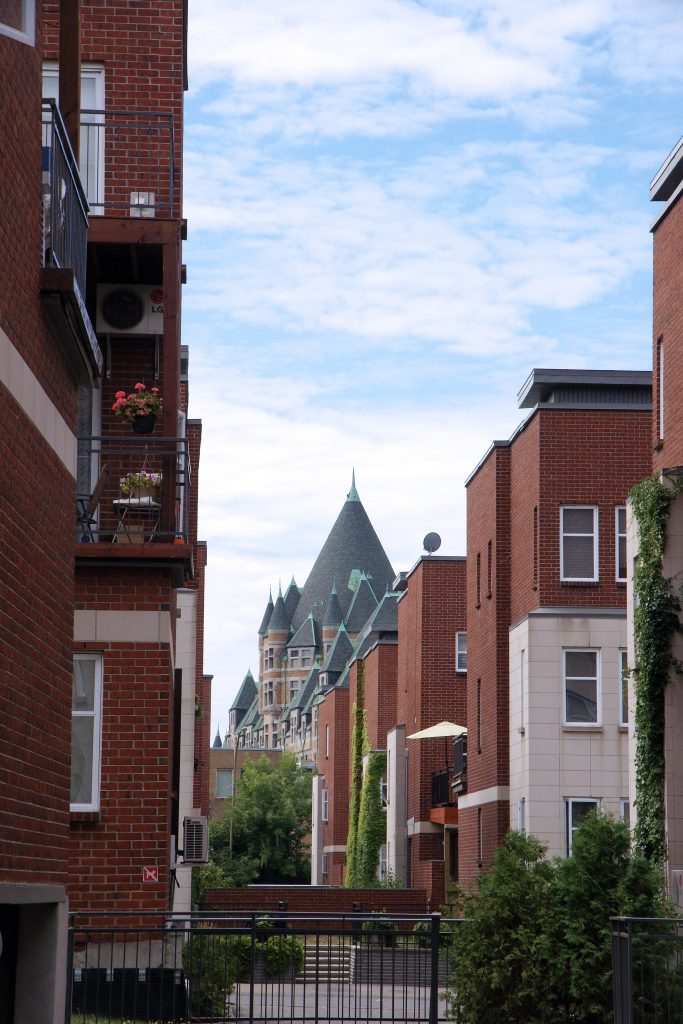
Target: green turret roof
(333, 612)
(245, 694)
(306, 635)
(292, 596)
(280, 621)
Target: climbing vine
(359, 745)
(372, 821)
(655, 623)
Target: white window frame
(625, 811)
(92, 155)
(324, 865)
(580, 579)
(293, 688)
(224, 773)
(461, 651)
(618, 534)
(27, 33)
(569, 827)
(623, 686)
(598, 688)
(660, 389)
(383, 863)
(306, 657)
(325, 805)
(294, 658)
(96, 715)
(327, 741)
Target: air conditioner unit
(195, 840)
(130, 309)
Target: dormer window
(294, 657)
(305, 658)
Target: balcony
(448, 783)
(128, 163)
(133, 491)
(65, 231)
(441, 788)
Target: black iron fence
(65, 208)
(647, 959)
(258, 967)
(128, 162)
(133, 489)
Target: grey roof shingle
(339, 653)
(333, 613)
(307, 635)
(245, 694)
(292, 595)
(280, 621)
(352, 544)
(263, 628)
(362, 606)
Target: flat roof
(541, 383)
(669, 176)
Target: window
(325, 867)
(384, 792)
(581, 688)
(18, 20)
(305, 658)
(325, 813)
(223, 783)
(327, 741)
(489, 570)
(268, 693)
(92, 127)
(480, 839)
(479, 716)
(382, 867)
(578, 543)
(293, 688)
(623, 688)
(478, 605)
(268, 659)
(534, 582)
(86, 728)
(620, 543)
(575, 812)
(461, 652)
(294, 657)
(521, 814)
(625, 811)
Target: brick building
(102, 636)
(667, 460)
(422, 819)
(546, 602)
(141, 705)
(47, 346)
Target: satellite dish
(431, 543)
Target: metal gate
(258, 967)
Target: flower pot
(144, 424)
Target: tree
(499, 955)
(537, 943)
(601, 879)
(262, 837)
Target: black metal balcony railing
(65, 207)
(441, 788)
(128, 162)
(114, 506)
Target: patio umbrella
(440, 730)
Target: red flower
(120, 394)
(155, 391)
(139, 387)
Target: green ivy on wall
(359, 745)
(372, 820)
(655, 621)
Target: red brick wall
(668, 325)
(36, 630)
(488, 522)
(141, 47)
(307, 899)
(37, 498)
(380, 693)
(590, 457)
(334, 712)
(109, 849)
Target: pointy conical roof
(279, 620)
(292, 595)
(339, 653)
(306, 635)
(333, 613)
(352, 544)
(363, 605)
(263, 628)
(245, 694)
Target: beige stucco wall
(549, 761)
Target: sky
(396, 210)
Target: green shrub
(380, 928)
(283, 953)
(423, 934)
(210, 966)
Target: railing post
(434, 980)
(251, 968)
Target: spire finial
(353, 493)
